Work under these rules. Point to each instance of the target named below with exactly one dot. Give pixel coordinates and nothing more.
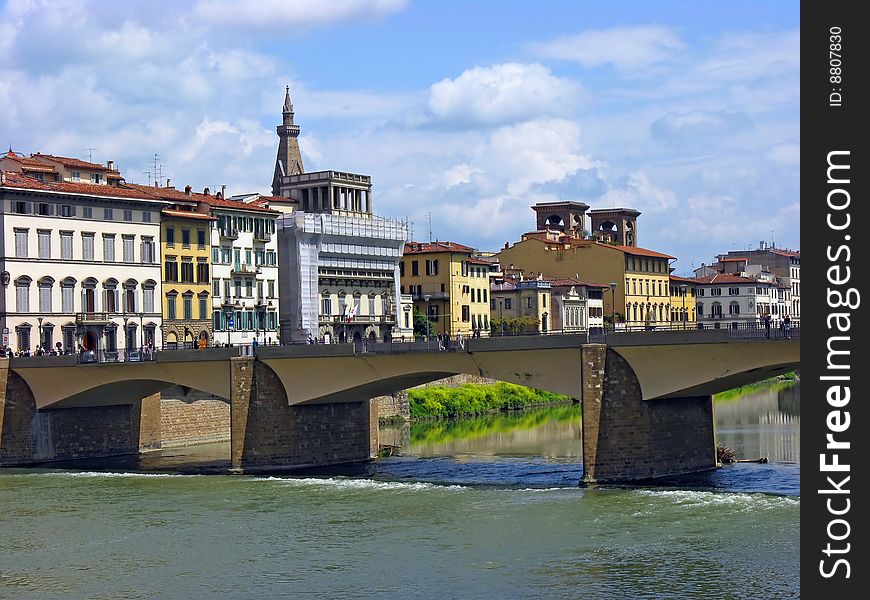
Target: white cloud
(629, 48)
(503, 93)
(273, 14)
(637, 191)
(698, 126)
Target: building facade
(80, 264)
(449, 285)
(782, 263)
(525, 302)
(725, 300)
(683, 309)
(578, 305)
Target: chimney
(219, 195)
(223, 191)
(167, 182)
(206, 191)
(188, 190)
(110, 164)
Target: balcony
(245, 270)
(92, 318)
(358, 319)
(229, 234)
(431, 296)
(262, 236)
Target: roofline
(62, 193)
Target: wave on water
(741, 501)
(359, 484)
(102, 474)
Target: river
(483, 508)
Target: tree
(422, 325)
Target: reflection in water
(764, 422)
(545, 432)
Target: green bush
(471, 399)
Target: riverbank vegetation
(439, 402)
(774, 384)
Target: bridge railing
(132, 355)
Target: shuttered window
(21, 243)
(108, 248)
(45, 299)
(44, 242)
(66, 299)
(66, 241)
(128, 248)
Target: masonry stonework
(628, 438)
(29, 436)
(266, 432)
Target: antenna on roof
(148, 173)
(90, 152)
(430, 226)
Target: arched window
(148, 287)
(45, 286)
(22, 294)
(129, 298)
(110, 296)
(372, 309)
(67, 295)
(89, 295)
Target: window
(21, 243)
(371, 304)
(248, 260)
(734, 308)
(271, 288)
(129, 298)
(67, 296)
(66, 241)
(271, 258)
(88, 246)
(735, 291)
(326, 306)
(44, 209)
(226, 255)
(185, 238)
(128, 248)
(508, 304)
(188, 306)
(147, 253)
(715, 291)
(108, 247)
(67, 211)
(170, 236)
(401, 268)
(227, 288)
(43, 237)
(216, 287)
(170, 306)
(216, 255)
(96, 178)
(238, 286)
(249, 288)
(701, 292)
(202, 272)
(464, 268)
(148, 299)
(186, 270)
(415, 268)
(45, 297)
(259, 290)
(170, 269)
(21, 208)
(528, 302)
(146, 216)
(466, 313)
(23, 337)
(88, 212)
(107, 214)
(203, 307)
(75, 176)
(200, 238)
(432, 267)
(128, 215)
(259, 257)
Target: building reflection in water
(762, 423)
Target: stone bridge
(647, 406)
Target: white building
(340, 277)
(728, 299)
(244, 272)
(578, 305)
(80, 261)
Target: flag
(351, 313)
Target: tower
(289, 159)
(615, 225)
(568, 217)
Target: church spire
(289, 159)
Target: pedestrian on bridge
(767, 325)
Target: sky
(465, 113)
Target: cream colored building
(80, 263)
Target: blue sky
(686, 111)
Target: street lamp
(141, 331)
(426, 298)
(612, 285)
(126, 337)
(683, 288)
(39, 319)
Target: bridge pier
(29, 436)
(627, 438)
(266, 432)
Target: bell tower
(615, 225)
(289, 159)
(567, 217)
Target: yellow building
(186, 249)
(683, 301)
(639, 278)
(449, 285)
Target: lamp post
(426, 298)
(126, 338)
(39, 319)
(141, 331)
(612, 286)
(683, 288)
(500, 317)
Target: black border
(827, 128)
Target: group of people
(784, 325)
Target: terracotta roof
(186, 214)
(569, 281)
(728, 278)
(29, 163)
(20, 181)
(639, 251)
(170, 193)
(224, 203)
(479, 261)
(73, 163)
(684, 279)
(431, 247)
(541, 236)
(786, 253)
